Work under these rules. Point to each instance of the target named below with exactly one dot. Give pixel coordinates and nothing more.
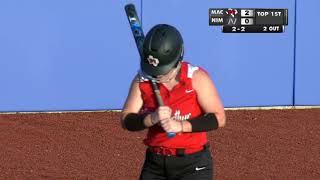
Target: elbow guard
(134, 121)
(204, 123)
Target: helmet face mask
(162, 50)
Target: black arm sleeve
(134, 121)
(204, 123)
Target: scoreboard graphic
(235, 20)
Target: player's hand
(163, 112)
(171, 125)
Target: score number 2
(235, 29)
(271, 28)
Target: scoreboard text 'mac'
(235, 20)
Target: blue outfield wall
(65, 55)
(307, 84)
(249, 69)
(80, 55)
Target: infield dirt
(255, 144)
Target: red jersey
(182, 99)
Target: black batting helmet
(162, 50)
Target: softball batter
(192, 107)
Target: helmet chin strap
(154, 79)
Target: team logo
(232, 12)
(179, 117)
(153, 61)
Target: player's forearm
(204, 123)
(148, 121)
(221, 117)
(136, 122)
(186, 126)
(133, 121)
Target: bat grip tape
(160, 102)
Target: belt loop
(180, 152)
(206, 146)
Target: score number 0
(245, 14)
